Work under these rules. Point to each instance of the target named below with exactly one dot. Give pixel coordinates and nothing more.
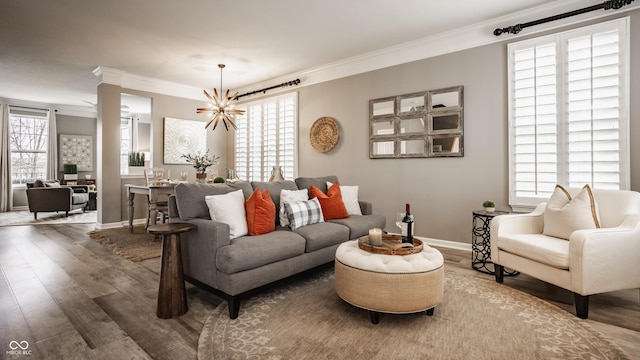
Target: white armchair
(591, 262)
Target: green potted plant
(136, 163)
(489, 206)
(201, 162)
(70, 171)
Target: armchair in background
(49, 195)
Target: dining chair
(153, 176)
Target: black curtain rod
(27, 107)
(288, 83)
(611, 4)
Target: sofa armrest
(78, 188)
(200, 246)
(366, 207)
(606, 259)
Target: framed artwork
(76, 149)
(183, 137)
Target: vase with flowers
(201, 162)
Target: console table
(481, 245)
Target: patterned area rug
(12, 218)
(136, 246)
(478, 319)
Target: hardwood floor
(71, 298)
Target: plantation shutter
(266, 137)
(593, 108)
(568, 114)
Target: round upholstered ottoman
(396, 284)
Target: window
(126, 143)
(569, 112)
(29, 135)
(266, 137)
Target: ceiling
(48, 49)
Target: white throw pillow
(349, 198)
(303, 213)
(564, 215)
(229, 209)
(290, 196)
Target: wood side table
(172, 295)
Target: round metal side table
(481, 245)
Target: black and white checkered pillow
(303, 213)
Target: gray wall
(442, 191)
(76, 125)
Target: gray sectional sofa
(235, 268)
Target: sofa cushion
(318, 236)
(359, 225)
(350, 198)
(261, 213)
(331, 202)
(190, 197)
(229, 209)
(275, 188)
(250, 252)
(545, 249)
(319, 182)
(52, 184)
(563, 214)
(303, 213)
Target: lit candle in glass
(375, 237)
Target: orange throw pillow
(261, 213)
(331, 203)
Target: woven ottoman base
(389, 292)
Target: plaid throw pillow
(303, 213)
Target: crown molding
(127, 80)
(468, 37)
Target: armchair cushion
(564, 214)
(544, 249)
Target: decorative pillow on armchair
(261, 213)
(331, 203)
(564, 215)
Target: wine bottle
(407, 226)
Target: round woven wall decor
(324, 134)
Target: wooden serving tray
(391, 245)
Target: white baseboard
(446, 244)
(443, 243)
(120, 224)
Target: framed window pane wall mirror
(418, 125)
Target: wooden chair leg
(582, 305)
(499, 269)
